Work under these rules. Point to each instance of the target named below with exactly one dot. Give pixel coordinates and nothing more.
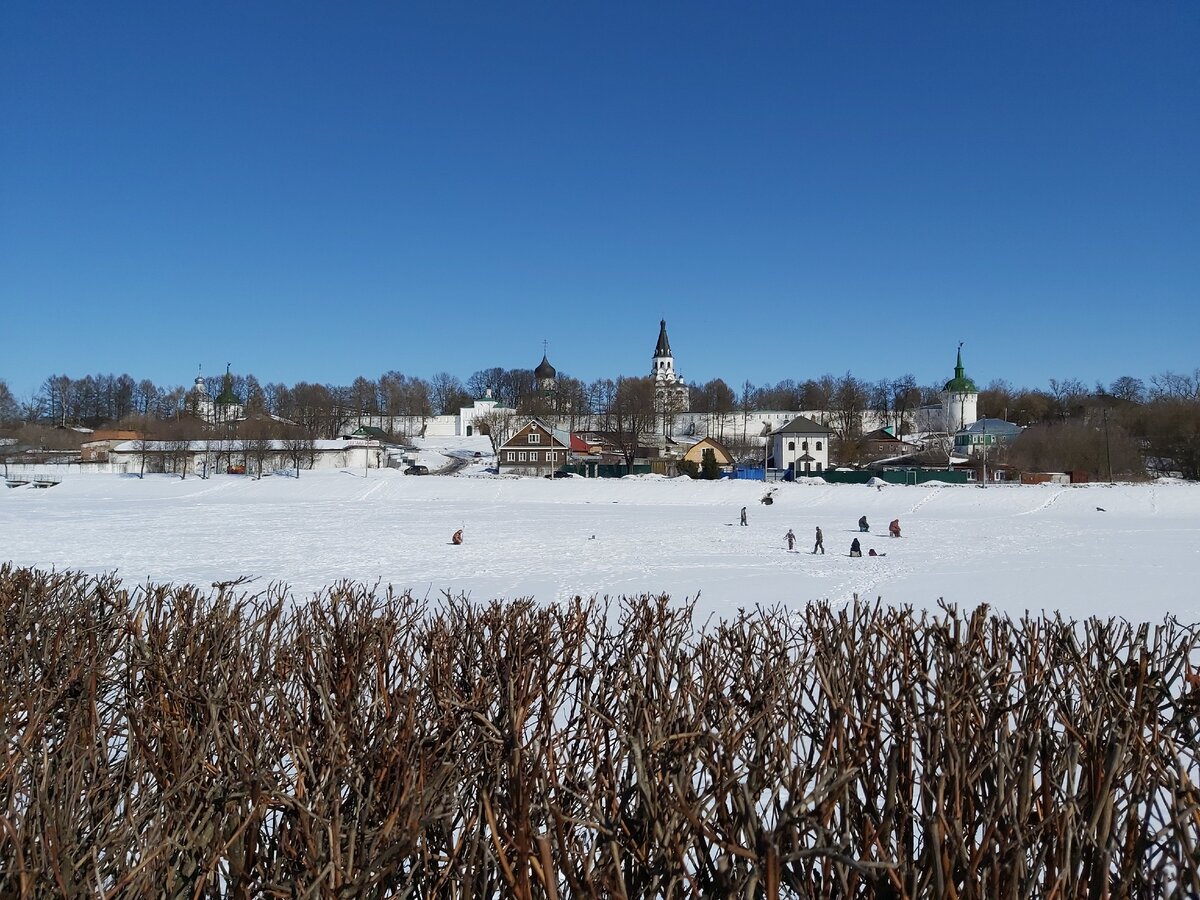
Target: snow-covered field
(1017, 548)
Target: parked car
(478, 454)
(561, 473)
(417, 470)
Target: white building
(801, 445)
(222, 456)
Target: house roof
(802, 425)
(997, 427)
(696, 451)
(576, 443)
(564, 438)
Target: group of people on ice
(855, 547)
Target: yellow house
(695, 453)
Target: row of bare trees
(172, 742)
(1135, 425)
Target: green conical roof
(227, 396)
(960, 383)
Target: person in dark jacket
(855, 548)
(820, 544)
(743, 515)
(791, 539)
(862, 524)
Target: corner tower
(960, 399)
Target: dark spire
(663, 348)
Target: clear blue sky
(313, 191)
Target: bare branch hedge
(168, 741)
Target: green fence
(892, 476)
(606, 470)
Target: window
(551, 456)
(818, 445)
(791, 445)
(512, 454)
(534, 437)
(818, 464)
(804, 445)
(533, 457)
(521, 456)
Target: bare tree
(1129, 389)
(10, 412)
(498, 425)
(1068, 394)
(300, 450)
(906, 398)
(850, 401)
(633, 415)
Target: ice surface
(1037, 547)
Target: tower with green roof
(960, 399)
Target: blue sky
(314, 191)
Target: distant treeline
(167, 741)
(1124, 429)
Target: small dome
(544, 370)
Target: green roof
(960, 383)
(227, 397)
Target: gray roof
(998, 427)
(802, 425)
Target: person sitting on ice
(855, 548)
(458, 537)
(862, 524)
(894, 528)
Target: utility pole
(985, 450)
(1107, 447)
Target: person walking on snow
(820, 544)
(743, 515)
(862, 524)
(791, 539)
